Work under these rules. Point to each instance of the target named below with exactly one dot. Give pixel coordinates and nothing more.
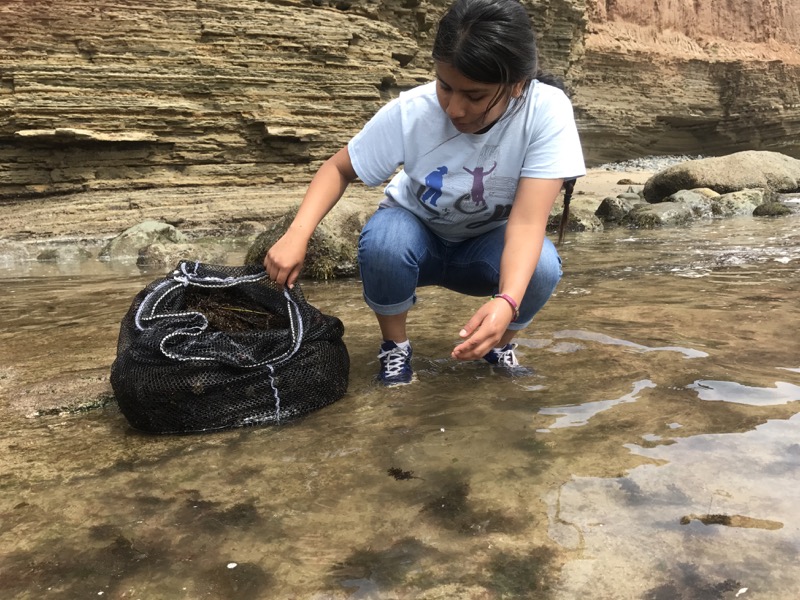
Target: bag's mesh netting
(211, 347)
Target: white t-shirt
(461, 184)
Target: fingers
(472, 324)
(271, 268)
(473, 349)
(283, 276)
(278, 274)
(479, 340)
(283, 262)
(292, 277)
(481, 333)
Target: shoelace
(395, 360)
(507, 358)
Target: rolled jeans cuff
(389, 310)
(517, 326)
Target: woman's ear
(516, 89)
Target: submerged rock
(772, 209)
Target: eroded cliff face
(177, 92)
(139, 93)
(689, 76)
(732, 20)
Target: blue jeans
(397, 254)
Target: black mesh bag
(211, 347)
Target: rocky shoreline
(158, 226)
(650, 164)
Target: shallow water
(654, 453)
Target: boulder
(614, 208)
(701, 204)
(651, 216)
(333, 248)
(169, 254)
(129, 242)
(739, 203)
(751, 169)
(772, 209)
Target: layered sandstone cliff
(689, 76)
(139, 93)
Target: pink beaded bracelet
(511, 301)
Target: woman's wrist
(511, 302)
(300, 230)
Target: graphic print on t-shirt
(434, 180)
(468, 192)
(478, 187)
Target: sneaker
(395, 364)
(506, 361)
(502, 357)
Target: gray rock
(61, 254)
(632, 196)
(48, 255)
(652, 216)
(772, 209)
(739, 203)
(743, 170)
(579, 219)
(614, 208)
(700, 203)
(333, 248)
(129, 242)
(170, 254)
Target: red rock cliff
(689, 76)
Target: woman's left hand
(484, 330)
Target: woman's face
(465, 102)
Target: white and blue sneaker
(506, 362)
(502, 357)
(395, 364)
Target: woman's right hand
(284, 260)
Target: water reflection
(651, 453)
(606, 339)
(575, 416)
(730, 391)
(651, 520)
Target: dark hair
(490, 41)
(568, 186)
